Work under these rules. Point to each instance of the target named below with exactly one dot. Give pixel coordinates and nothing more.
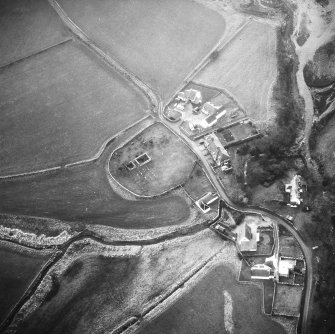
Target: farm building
(285, 266)
(261, 271)
(216, 149)
(248, 238)
(209, 108)
(294, 188)
(191, 95)
(212, 119)
(205, 201)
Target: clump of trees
(273, 149)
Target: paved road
(254, 210)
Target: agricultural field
(170, 165)
(83, 194)
(288, 246)
(59, 107)
(287, 300)
(207, 93)
(198, 183)
(93, 289)
(19, 266)
(325, 147)
(217, 304)
(247, 68)
(28, 27)
(83, 284)
(181, 33)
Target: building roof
(182, 96)
(216, 149)
(261, 271)
(205, 201)
(212, 119)
(248, 237)
(174, 114)
(209, 108)
(294, 189)
(194, 96)
(285, 265)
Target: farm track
(14, 62)
(77, 163)
(145, 88)
(157, 104)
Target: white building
(295, 190)
(261, 271)
(248, 237)
(285, 265)
(216, 149)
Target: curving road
(174, 127)
(256, 210)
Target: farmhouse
(294, 188)
(216, 149)
(205, 201)
(248, 238)
(191, 95)
(285, 266)
(261, 271)
(212, 119)
(209, 108)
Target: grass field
(288, 246)
(94, 294)
(246, 68)
(160, 41)
(83, 193)
(287, 300)
(171, 162)
(268, 287)
(198, 184)
(326, 146)
(28, 27)
(242, 131)
(90, 280)
(202, 309)
(19, 265)
(59, 107)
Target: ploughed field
(246, 67)
(159, 41)
(28, 27)
(83, 193)
(168, 164)
(60, 106)
(19, 266)
(207, 308)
